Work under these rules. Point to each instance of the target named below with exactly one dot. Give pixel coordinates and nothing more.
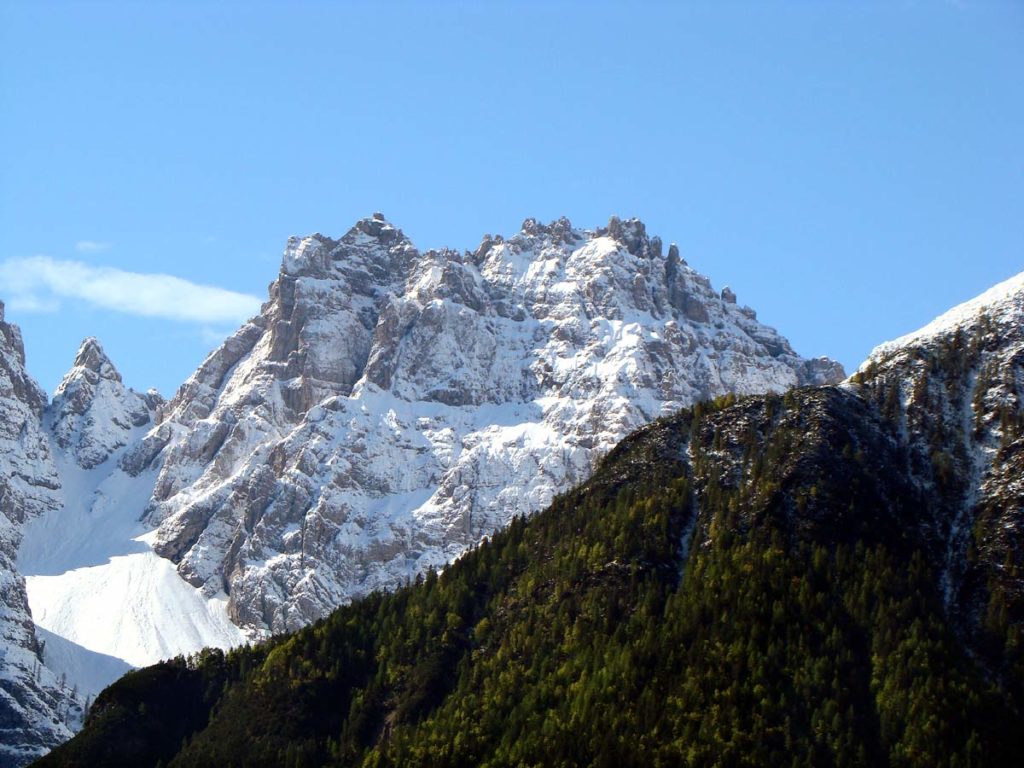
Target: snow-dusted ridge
(94, 580)
(1001, 300)
(957, 387)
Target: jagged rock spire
(91, 357)
(93, 413)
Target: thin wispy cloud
(40, 283)
(30, 303)
(91, 246)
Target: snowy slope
(135, 608)
(93, 579)
(91, 672)
(90, 571)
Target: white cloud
(91, 246)
(29, 303)
(38, 283)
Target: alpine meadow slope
(830, 576)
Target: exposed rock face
(820, 371)
(37, 710)
(388, 408)
(93, 413)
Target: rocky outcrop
(37, 708)
(388, 408)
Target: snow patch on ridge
(91, 672)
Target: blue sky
(850, 169)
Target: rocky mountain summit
(93, 413)
(389, 408)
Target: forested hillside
(746, 583)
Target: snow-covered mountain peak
(372, 239)
(92, 413)
(557, 231)
(92, 359)
(313, 336)
(388, 407)
(630, 233)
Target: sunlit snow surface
(93, 579)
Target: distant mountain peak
(92, 413)
(91, 357)
(379, 227)
(371, 240)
